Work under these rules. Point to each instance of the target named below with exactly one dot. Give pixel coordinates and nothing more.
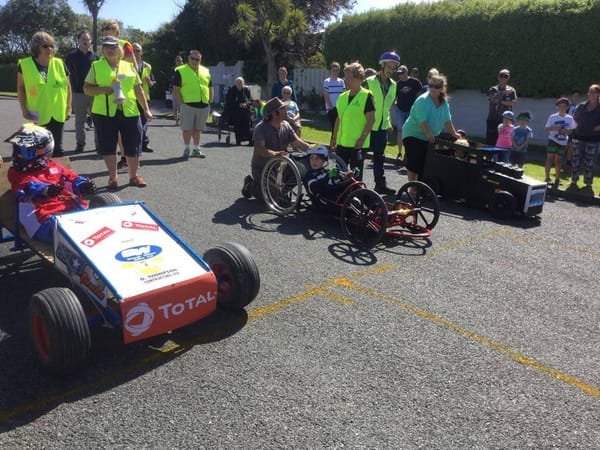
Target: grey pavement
(486, 335)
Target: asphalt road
(485, 336)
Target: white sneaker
(186, 152)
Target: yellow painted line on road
(588, 389)
(457, 244)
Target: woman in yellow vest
(356, 114)
(43, 88)
(116, 88)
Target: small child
(521, 136)
(293, 112)
(505, 130)
(458, 153)
(324, 185)
(559, 127)
(50, 187)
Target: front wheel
(364, 218)
(502, 205)
(238, 279)
(281, 185)
(104, 199)
(422, 202)
(59, 330)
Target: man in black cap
(502, 97)
(271, 138)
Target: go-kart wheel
(59, 330)
(336, 160)
(238, 280)
(422, 200)
(104, 199)
(502, 205)
(281, 185)
(364, 218)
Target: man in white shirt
(332, 88)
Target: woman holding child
(429, 115)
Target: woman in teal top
(429, 115)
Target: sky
(149, 15)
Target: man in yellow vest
(144, 70)
(193, 90)
(383, 89)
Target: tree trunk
(271, 68)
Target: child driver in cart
(325, 185)
(49, 187)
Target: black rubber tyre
(281, 185)
(502, 205)
(424, 200)
(59, 330)
(104, 199)
(364, 218)
(238, 280)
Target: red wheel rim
(224, 279)
(40, 336)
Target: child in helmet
(50, 188)
(505, 130)
(322, 184)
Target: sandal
(137, 181)
(113, 184)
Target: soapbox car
(366, 218)
(127, 270)
(470, 173)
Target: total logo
(139, 319)
(170, 310)
(138, 253)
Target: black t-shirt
(407, 92)
(79, 65)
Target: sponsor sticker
(138, 253)
(97, 237)
(139, 226)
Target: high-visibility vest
(352, 118)
(46, 97)
(194, 84)
(146, 72)
(382, 104)
(105, 74)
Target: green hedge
(548, 45)
(8, 77)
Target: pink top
(505, 136)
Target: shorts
(415, 154)
(553, 147)
(109, 128)
(192, 118)
(398, 117)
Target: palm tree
(93, 6)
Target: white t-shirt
(333, 88)
(565, 121)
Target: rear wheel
(104, 199)
(423, 202)
(59, 330)
(238, 279)
(364, 218)
(502, 205)
(281, 185)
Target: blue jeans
(378, 143)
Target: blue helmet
(321, 150)
(31, 143)
(389, 57)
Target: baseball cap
(402, 69)
(564, 100)
(504, 72)
(110, 41)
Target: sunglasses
(47, 46)
(436, 86)
(503, 76)
(194, 59)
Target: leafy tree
(21, 19)
(265, 22)
(93, 6)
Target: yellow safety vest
(382, 105)
(104, 73)
(194, 84)
(146, 71)
(352, 118)
(46, 97)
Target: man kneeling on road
(271, 137)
